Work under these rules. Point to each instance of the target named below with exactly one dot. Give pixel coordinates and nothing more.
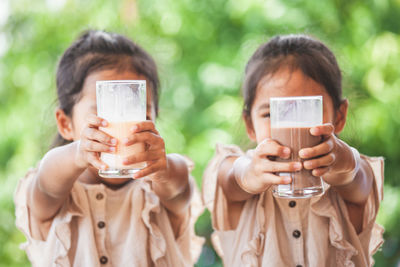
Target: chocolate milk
(297, 138)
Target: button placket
(98, 203)
(294, 209)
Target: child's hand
(154, 155)
(92, 142)
(330, 158)
(260, 173)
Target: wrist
(241, 172)
(79, 161)
(163, 176)
(357, 162)
(172, 181)
(350, 174)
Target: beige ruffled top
(303, 232)
(98, 226)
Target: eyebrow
(265, 105)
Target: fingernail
(103, 167)
(307, 165)
(314, 131)
(297, 166)
(302, 153)
(104, 123)
(134, 128)
(112, 149)
(126, 141)
(287, 179)
(113, 141)
(286, 151)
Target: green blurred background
(201, 48)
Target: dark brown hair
(296, 52)
(94, 51)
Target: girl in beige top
(253, 228)
(71, 216)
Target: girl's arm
(243, 177)
(174, 188)
(56, 175)
(356, 193)
(339, 165)
(342, 168)
(356, 177)
(231, 170)
(61, 167)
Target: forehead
(285, 83)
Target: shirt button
(99, 196)
(296, 234)
(101, 224)
(292, 204)
(103, 260)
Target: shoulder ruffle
(334, 208)
(51, 249)
(210, 174)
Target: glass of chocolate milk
(123, 104)
(291, 120)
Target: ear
(249, 128)
(341, 116)
(64, 125)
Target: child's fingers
(320, 171)
(144, 126)
(269, 147)
(272, 179)
(326, 129)
(96, 121)
(145, 156)
(93, 146)
(100, 136)
(96, 162)
(151, 168)
(324, 161)
(145, 137)
(318, 150)
(275, 166)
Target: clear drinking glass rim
(285, 98)
(121, 81)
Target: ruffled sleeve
(215, 201)
(354, 249)
(371, 236)
(187, 237)
(213, 196)
(44, 248)
(334, 208)
(157, 240)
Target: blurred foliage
(201, 48)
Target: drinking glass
(291, 120)
(123, 104)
